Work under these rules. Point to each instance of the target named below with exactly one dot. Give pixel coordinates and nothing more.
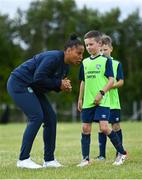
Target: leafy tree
(10, 55)
(129, 51)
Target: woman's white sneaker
(28, 163)
(54, 164)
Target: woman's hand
(66, 85)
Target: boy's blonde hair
(106, 40)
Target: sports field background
(68, 152)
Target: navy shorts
(95, 114)
(114, 116)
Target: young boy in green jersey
(114, 118)
(96, 77)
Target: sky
(126, 6)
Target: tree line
(46, 25)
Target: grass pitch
(68, 152)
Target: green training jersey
(94, 81)
(114, 96)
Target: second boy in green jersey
(114, 118)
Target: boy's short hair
(106, 40)
(93, 34)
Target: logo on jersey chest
(98, 66)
